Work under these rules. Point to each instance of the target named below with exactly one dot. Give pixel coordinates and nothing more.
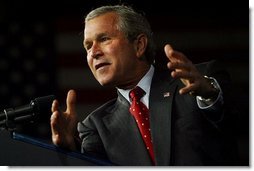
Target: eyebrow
(97, 37)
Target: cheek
(90, 62)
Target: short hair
(131, 23)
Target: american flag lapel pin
(166, 94)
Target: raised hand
(63, 124)
(183, 68)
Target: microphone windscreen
(43, 104)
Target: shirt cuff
(209, 103)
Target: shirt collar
(145, 84)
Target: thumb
(168, 51)
(71, 101)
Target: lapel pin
(166, 94)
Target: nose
(95, 51)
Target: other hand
(183, 68)
(63, 124)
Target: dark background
(41, 52)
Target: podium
(21, 150)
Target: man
(184, 105)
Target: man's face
(110, 56)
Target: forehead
(101, 24)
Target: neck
(131, 83)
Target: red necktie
(141, 114)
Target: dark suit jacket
(182, 133)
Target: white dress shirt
(145, 84)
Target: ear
(141, 44)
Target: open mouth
(98, 66)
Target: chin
(107, 83)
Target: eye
(87, 46)
(104, 38)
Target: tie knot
(137, 93)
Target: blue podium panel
(21, 150)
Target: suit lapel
(124, 142)
(161, 98)
(123, 137)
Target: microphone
(30, 112)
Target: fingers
(55, 106)
(173, 55)
(168, 51)
(54, 127)
(71, 102)
(183, 75)
(54, 119)
(179, 65)
(188, 89)
(53, 122)
(182, 68)
(62, 123)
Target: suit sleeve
(216, 70)
(91, 141)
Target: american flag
(43, 56)
(27, 65)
